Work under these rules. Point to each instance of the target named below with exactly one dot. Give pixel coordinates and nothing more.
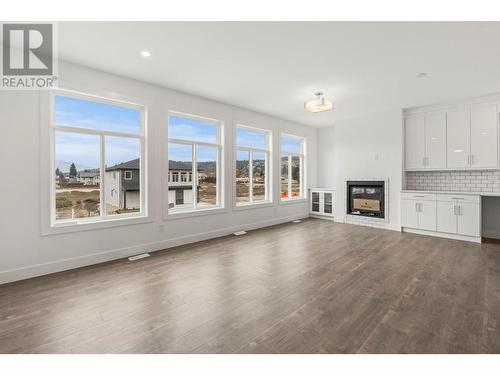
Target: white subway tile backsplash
(454, 181)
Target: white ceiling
(364, 67)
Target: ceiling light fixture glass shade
(320, 104)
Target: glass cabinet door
(315, 201)
(328, 203)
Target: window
(194, 160)
(99, 138)
(292, 167)
(252, 166)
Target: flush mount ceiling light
(320, 104)
(145, 53)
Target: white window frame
(104, 220)
(125, 175)
(196, 209)
(302, 163)
(268, 178)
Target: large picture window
(252, 166)
(292, 167)
(98, 158)
(194, 163)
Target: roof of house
(128, 165)
(174, 165)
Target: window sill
(293, 200)
(194, 213)
(248, 206)
(79, 226)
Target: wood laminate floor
(312, 287)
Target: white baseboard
(40, 269)
(442, 235)
(324, 217)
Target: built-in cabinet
(418, 211)
(442, 213)
(460, 138)
(425, 141)
(458, 214)
(321, 201)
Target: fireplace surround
(366, 198)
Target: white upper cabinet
(425, 141)
(435, 141)
(458, 138)
(415, 142)
(484, 136)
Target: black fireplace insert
(366, 198)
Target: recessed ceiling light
(145, 53)
(320, 104)
(421, 75)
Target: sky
(290, 144)
(92, 115)
(250, 138)
(84, 149)
(192, 129)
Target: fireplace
(366, 198)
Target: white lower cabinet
(447, 219)
(418, 211)
(321, 202)
(409, 213)
(427, 215)
(458, 214)
(443, 213)
(468, 219)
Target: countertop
(480, 193)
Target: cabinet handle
(468, 159)
(459, 210)
(472, 160)
(457, 198)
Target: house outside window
(292, 167)
(194, 159)
(252, 169)
(91, 137)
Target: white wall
(363, 147)
(326, 157)
(24, 252)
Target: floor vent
(297, 221)
(240, 233)
(140, 256)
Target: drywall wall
(326, 157)
(364, 147)
(24, 252)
